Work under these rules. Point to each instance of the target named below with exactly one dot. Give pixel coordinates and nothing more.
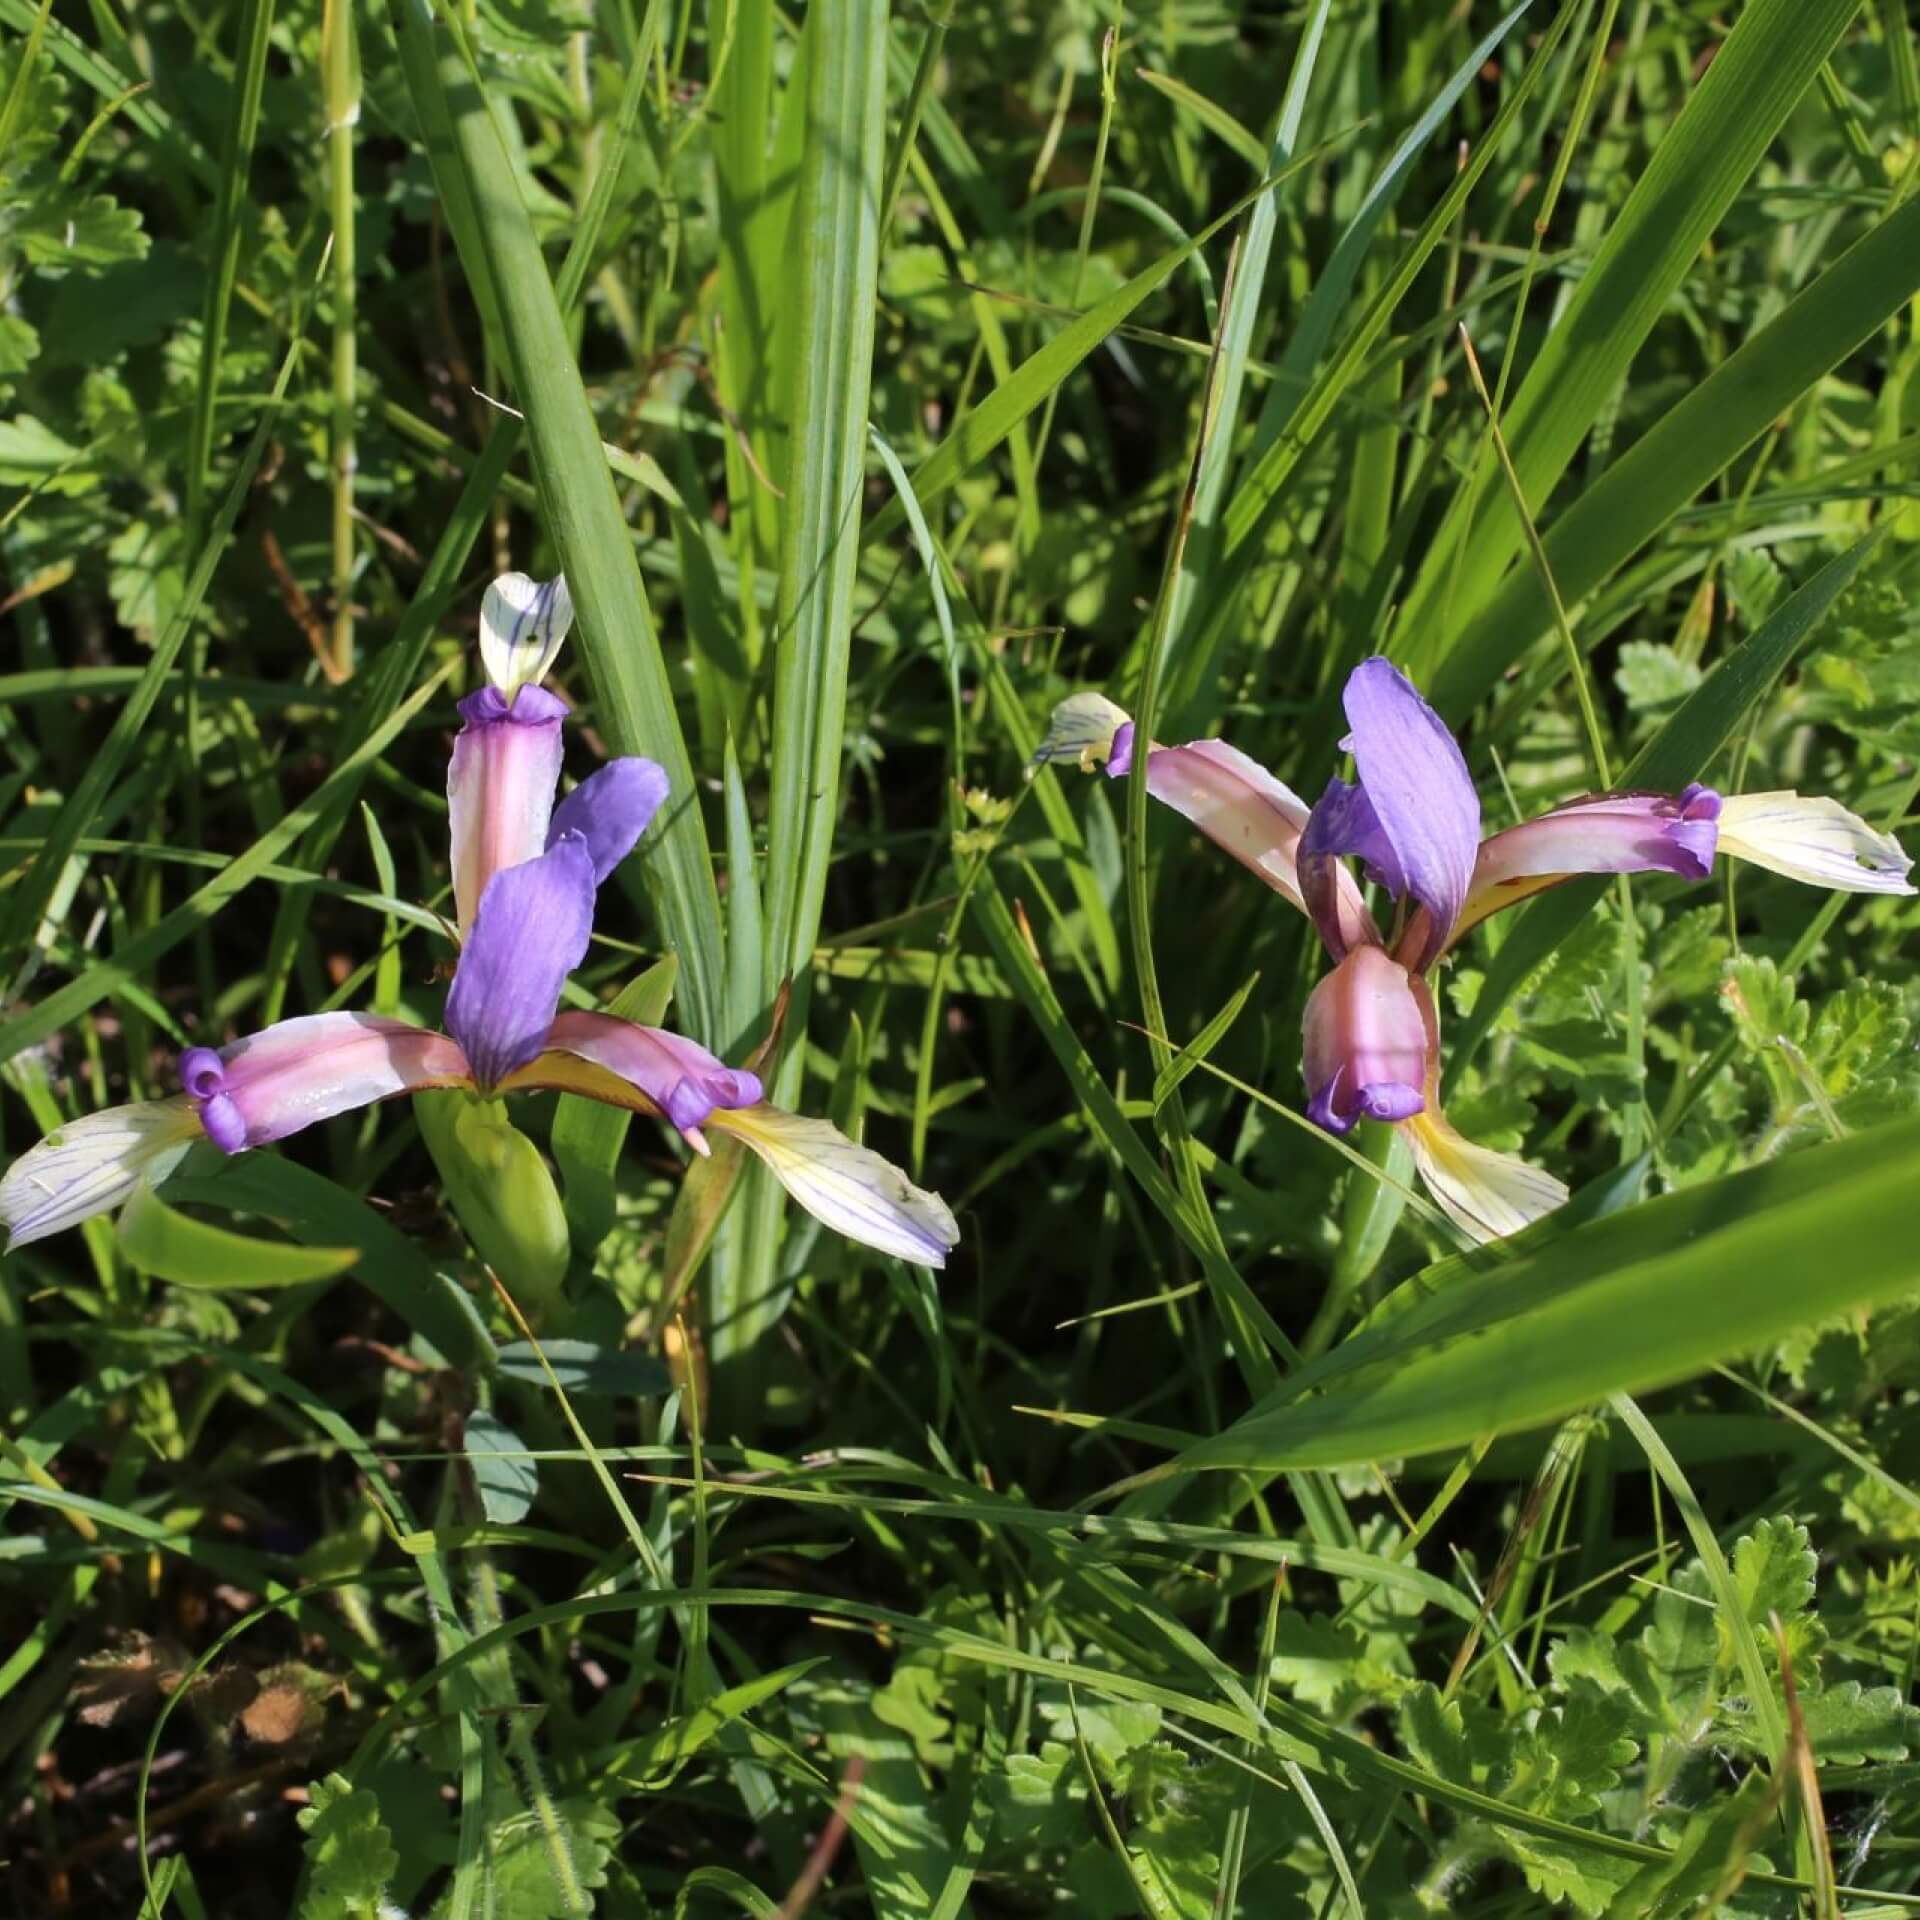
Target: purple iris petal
(1343, 821)
(290, 1075)
(610, 809)
(1422, 795)
(677, 1075)
(531, 932)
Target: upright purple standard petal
(610, 809)
(297, 1072)
(1422, 795)
(1365, 1044)
(530, 933)
(500, 782)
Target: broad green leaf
(170, 1245)
(1627, 1302)
(501, 1192)
(583, 1368)
(507, 1479)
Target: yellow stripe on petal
(555, 1072)
(1485, 1194)
(847, 1187)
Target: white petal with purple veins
(92, 1164)
(1810, 838)
(523, 623)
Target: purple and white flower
(1371, 1041)
(526, 873)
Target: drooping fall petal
(1421, 794)
(295, 1073)
(647, 1068)
(531, 932)
(845, 1186)
(1813, 839)
(92, 1164)
(500, 782)
(1365, 1043)
(1487, 1195)
(523, 623)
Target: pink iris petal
(531, 932)
(1366, 1043)
(1604, 833)
(1244, 811)
(500, 782)
(292, 1074)
(680, 1077)
(610, 809)
(1421, 794)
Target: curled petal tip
(1813, 839)
(1083, 729)
(1487, 1195)
(296, 1072)
(523, 623)
(1367, 1044)
(845, 1186)
(92, 1164)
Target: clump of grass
(1216, 1535)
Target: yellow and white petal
(92, 1164)
(847, 1187)
(1808, 837)
(1485, 1194)
(523, 622)
(1082, 730)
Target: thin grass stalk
(342, 70)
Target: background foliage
(862, 360)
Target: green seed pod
(500, 1190)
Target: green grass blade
(838, 242)
(838, 216)
(256, 26)
(1757, 75)
(1690, 444)
(1629, 1302)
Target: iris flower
(525, 875)
(1371, 1041)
